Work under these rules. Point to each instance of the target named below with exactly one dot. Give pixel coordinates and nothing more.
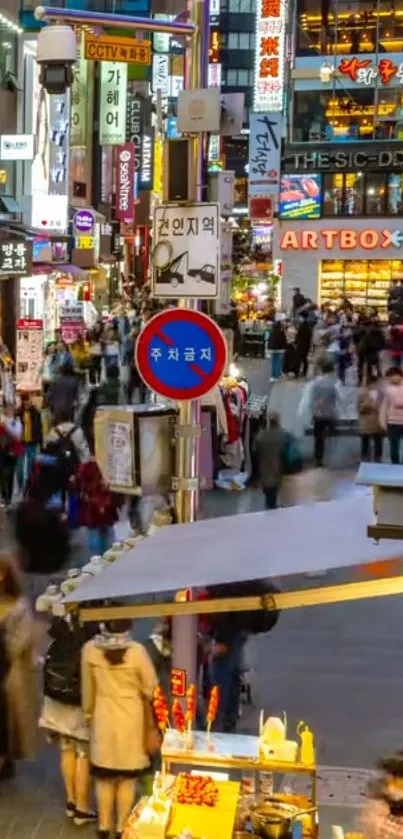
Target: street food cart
(285, 542)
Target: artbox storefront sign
(271, 18)
(264, 154)
(342, 239)
(125, 167)
(113, 92)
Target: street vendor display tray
(215, 822)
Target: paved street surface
(338, 667)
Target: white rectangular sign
(186, 255)
(49, 212)
(29, 355)
(264, 154)
(271, 18)
(161, 74)
(16, 147)
(113, 93)
(78, 122)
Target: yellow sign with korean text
(85, 243)
(114, 48)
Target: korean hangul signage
(78, 111)
(365, 70)
(178, 682)
(29, 355)
(181, 354)
(114, 48)
(112, 116)
(186, 253)
(264, 154)
(125, 168)
(160, 74)
(15, 258)
(271, 18)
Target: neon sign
(364, 71)
(368, 239)
(269, 55)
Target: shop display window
(348, 27)
(362, 194)
(365, 282)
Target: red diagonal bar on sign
(164, 338)
(198, 370)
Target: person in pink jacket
(391, 411)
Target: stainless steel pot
(273, 819)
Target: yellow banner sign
(85, 243)
(114, 48)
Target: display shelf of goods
(216, 821)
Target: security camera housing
(56, 53)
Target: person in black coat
(303, 341)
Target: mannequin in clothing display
(118, 678)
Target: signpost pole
(184, 629)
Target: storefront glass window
(341, 116)
(365, 282)
(395, 194)
(375, 194)
(343, 194)
(348, 27)
(333, 195)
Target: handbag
(152, 735)
(292, 458)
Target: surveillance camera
(56, 53)
(9, 82)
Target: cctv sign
(17, 147)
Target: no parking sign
(181, 354)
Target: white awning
(291, 540)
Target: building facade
(342, 167)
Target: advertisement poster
(119, 454)
(125, 167)
(264, 154)
(29, 355)
(301, 196)
(72, 324)
(112, 116)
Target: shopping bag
(292, 458)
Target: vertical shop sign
(79, 102)
(125, 158)
(158, 164)
(269, 55)
(113, 93)
(264, 154)
(59, 125)
(161, 40)
(160, 78)
(29, 355)
(147, 159)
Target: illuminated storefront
(343, 257)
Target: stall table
(231, 751)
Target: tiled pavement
(339, 667)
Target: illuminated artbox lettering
(367, 239)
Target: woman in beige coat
(17, 627)
(118, 678)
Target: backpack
(292, 458)
(62, 669)
(66, 460)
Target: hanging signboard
(271, 16)
(112, 116)
(49, 212)
(160, 75)
(29, 355)
(15, 258)
(78, 122)
(186, 254)
(114, 48)
(264, 154)
(140, 133)
(147, 159)
(16, 147)
(125, 167)
(119, 454)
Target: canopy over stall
(291, 540)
